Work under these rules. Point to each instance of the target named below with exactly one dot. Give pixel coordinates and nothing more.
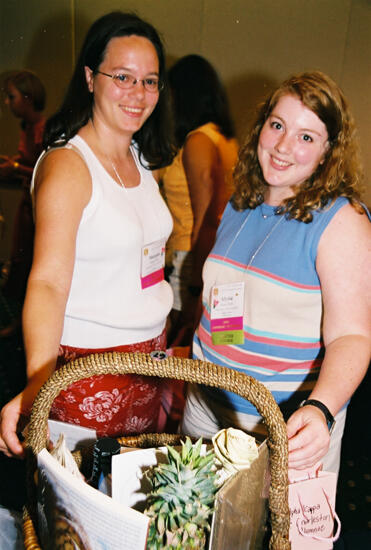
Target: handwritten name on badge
(153, 263)
(226, 313)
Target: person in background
(96, 281)
(25, 97)
(198, 184)
(292, 260)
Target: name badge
(226, 309)
(153, 263)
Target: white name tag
(153, 263)
(226, 312)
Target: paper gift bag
(313, 519)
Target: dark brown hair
(154, 137)
(30, 86)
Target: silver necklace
(277, 210)
(263, 242)
(253, 256)
(119, 180)
(121, 183)
(116, 173)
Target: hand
(6, 168)
(10, 419)
(309, 438)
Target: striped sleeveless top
(276, 259)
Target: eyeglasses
(126, 81)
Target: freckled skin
(292, 142)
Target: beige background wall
(253, 44)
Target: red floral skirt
(113, 405)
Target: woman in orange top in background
(198, 184)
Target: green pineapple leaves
(181, 502)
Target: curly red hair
(340, 175)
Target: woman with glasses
(101, 226)
(286, 296)
(198, 184)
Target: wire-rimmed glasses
(126, 81)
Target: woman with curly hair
(286, 285)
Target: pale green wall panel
(180, 23)
(252, 43)
(35, 35)
(356, 79)
(269, 40)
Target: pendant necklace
(263, 242)
(267, 212)
(118, 178)
(116, 174)
(121, 183)
(253, 256)
(227, 324)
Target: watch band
(322, 407)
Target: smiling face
(124, 110)
(292, 143)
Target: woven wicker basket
(172, 367)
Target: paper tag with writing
(153, 263)
(226, 313)
(312, 510)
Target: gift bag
(314, 524)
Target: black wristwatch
(329, 418)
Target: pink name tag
(153, 263)
(226, 313)
(152, 278)
(233, 323)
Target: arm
(12, 167)
(63, 189)
(200, 159)
(21, 169)
(343, 265)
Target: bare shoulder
(198, 139)
(62, 191)
(343, 266)
(344, 255)
(63, 173)
(348, 227)
(200, 149)
(345, 244)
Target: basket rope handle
(189, 370)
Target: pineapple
(182, 499)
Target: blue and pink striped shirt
(276, 259)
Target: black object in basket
(188, 370)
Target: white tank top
(106, 306)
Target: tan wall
(253, 43)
